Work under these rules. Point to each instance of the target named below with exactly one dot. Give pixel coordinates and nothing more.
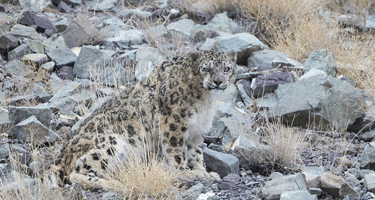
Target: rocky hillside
(296, 124)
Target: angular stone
(7, 43)
(18, 114)
(323, 61)
(127, 38)
(137, 13)
(332, 184)
(49, 66)
(322, 100)
(79, 31)
(17, 68)
(268, 83)
(367, 159)
(18, 52)
(35, 5)
(220, 22)
(221, 163)
(62, 57)
(147, 59)
(182, 28)
(35, 59)
(370, 182)
(22, 31)
(243, 87)
(242, 43)
(6, 22)
(36, 46)
(41, 93)
(313, 181)
(95, 64)
(264, 56)
(63, 7)
(66, 73)
(33, 131)
(42, 23)
(299, 194)
(274, 188)
(101, 5)
(55, 43)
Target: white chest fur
(200, 123)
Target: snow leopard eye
(226, 69)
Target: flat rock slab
(35, 59)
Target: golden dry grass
(138, 179)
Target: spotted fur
(170, 111)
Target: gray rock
(6, 22)
(112, 26)
(274, 188)
(323, 61)
(232, 178)
(242, 86)
(220, 22)
(21, 31)
(62, 57)
(18, 114)
(68, 97)
(21, 100)
(66, 73)
(321, 100)
(32, 131)
(36, 46)
(101, 68)
(313, 181)
(110, 196)
(242, 43)
(42, 23)
(313, 72)
(41, 94)
(268, 83)
(367, 159)
(369, 182)
(17, 68)
(79, 31)
(62, 24)
(265, 56)
(7, 43)
(9, 84)
(63, 7)
(49, 66)
(182, 28)
(221, 163)
(35, 59)
(336, 186)
(147, 58)
(137, 13)
(18, 52)
(55, 43)
(193, 192)
(101, 5)
(35, 5)
(127, 38)
(299, 194)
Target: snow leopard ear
(233, 56)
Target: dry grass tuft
(285, 143)
(139, 179)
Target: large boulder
(92, 63)
(79, 31)
(323, 61)
(242, 43)
(320, 100)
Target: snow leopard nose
(218, 81)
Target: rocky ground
(61, 59)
